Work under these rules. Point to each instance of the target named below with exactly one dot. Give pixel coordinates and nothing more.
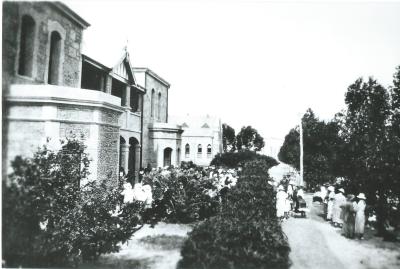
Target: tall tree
(249, 139)
(366, 136)
(320, 143)
(228, 138)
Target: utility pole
(301, 153)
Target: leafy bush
(245, 233)
(54, 216)
(181, 196)
(235, 159)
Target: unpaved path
(316, 244)
(149, 248)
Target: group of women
(346, 212)
(288, 200)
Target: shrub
(246, 232)
(181, 196)
(235, 159)
(53, 216)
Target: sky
(258, 63)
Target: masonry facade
(51, 89)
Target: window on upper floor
(159, 107)
(152, 102)
(209, 151)
(26, 46)
(54, 58)
(199, 151)
(187, 151)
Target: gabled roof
(116, 67)
(151, 73)
(205, 125)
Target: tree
(228, 138)
(249, 139)
(366, 138)
(320, 149)
(54, 215)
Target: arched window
(54, 58)
(152, 102)
(159, 107)
(199, 151)
(209, 151)
(187, 151)
(26, 46)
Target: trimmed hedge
(246, 232)
(235, 159)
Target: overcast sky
(256, 63)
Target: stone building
(52, 89)
(201, 138)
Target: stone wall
(149, 152)
(47, 18)
(60, 113)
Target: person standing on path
(360, 216)
(281, 202)
(337, 210)
(348, 212)
(331, 198)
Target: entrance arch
(123, 148)
(167, 156)
(133, 159)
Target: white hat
(341, 190)
(280, 188)
(361, 196)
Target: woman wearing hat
(337, 210)
(360, 216)
(331, 198)
(281, 202)
(348, 214)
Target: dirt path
(149, 248)
(316, 244)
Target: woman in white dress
(281, 202)
(339, 201)
(331, 198)
(360, 216)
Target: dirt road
(316, 244)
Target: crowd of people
(290, 201)
(345, 212)
(141, 190)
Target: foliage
(228, 138)
(181, 196)
(54, 216)
(187, 165)
(361, 144)
(321, 142)
(249, 139)
(235, 159)
(369, 143)
(245, 233)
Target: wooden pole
(301, 153)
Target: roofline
(71, 14)
(94, 62)
(152, 73)
(108, 70)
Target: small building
(201, 138)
